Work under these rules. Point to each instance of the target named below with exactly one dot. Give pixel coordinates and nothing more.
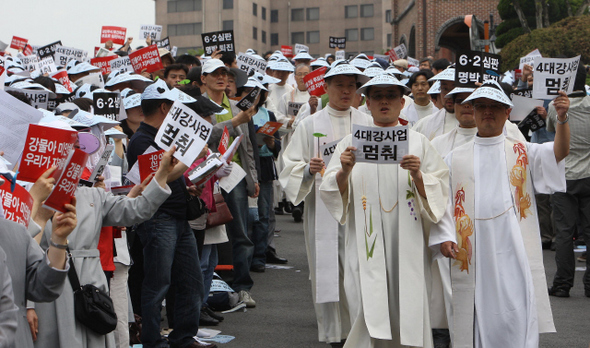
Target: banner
(146, 58)
(218, 40)
(152, 31)
(287, 51)
(65, 187)
(121, 63)
(114, 34)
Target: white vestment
(299, 185)
(387, 275)
(447, 142)
(509, 304)
(415, 112)
(440, 122)
(275, 92)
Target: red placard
(96, 50)
(63, 78)
(17, 204)
(287, 51)
(392, 56)
(149, 163)
(146, 58)
(103, 63)
(517, 74)
(115, 34)
(45, 147)
(269, 128)
(18, 43)
(314, 82)
(66, 185)
(28, 50)
(224, 142)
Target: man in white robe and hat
(491, 229)
(386, 210)
(301, 179)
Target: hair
(191, 90)
(194, 75)
(20, 96)
(46, 82)
(263, 95)
(506, 88)
(426, 60)
(240, 91)
(441, 64)
(175, 66)
(580, 82)
(150, 106)
(188, 59)
(228, 58)
(83, 103)
(424, 72)
(267, 54)
(301, 65)
(331, 56)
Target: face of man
(445, 88)
(463, 112)
(282, 75)
(385, 104)
(341, 90)
(490, 116)
(135, 115)
(300, 73)
(425, 65)
(215, 81)
(419, 89)
(174, 77)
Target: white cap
(446, 75)
(393, 71)
(33, 86)
(85, 92)
(82, 68)
(383, 80)
(158, 90)
(90, 120)
(265, 79)
(490, 89)
(253, 82)
(250, 51)
(361, 61)
(66, 107)
(302, 55)
(131, 100)
(458, 90)
(319, 63)
(113, 133)
(413, 69)
(435, 89)
(373, 70)
(344, 68)
(282, 64)
(211, 65)
(125, 77)
(60, 89)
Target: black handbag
(195, 207)
(92, 306)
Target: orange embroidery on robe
(464, 228)
(518, 178)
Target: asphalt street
(284, 315)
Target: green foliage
(507, 37)
(506, 25)
(193, 52)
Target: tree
(521, 17)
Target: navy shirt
(175, 205)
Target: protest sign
(380, 144)
(314, 82)
(29, 50)
(553, 75)
(64, 54)
(532, 122)
(475, 66)
(218, 40)
(231, 151)
(48, 50)
(18, 43)
(47, 66)
(149, 163)
(103, 63)
(173, 51)
(412, 62)
(102, 162)
(300, 47)
(327, 150)
(30, 63)
(38, 98)
(248, 100)
(107, 104)
(400, 51)
(101, 52)
(45, 147)
(287, 51)
(337, 42)
(205, 170)
(339, 55)
(147, 58)
(293, 108)
(382, 56)
(64, 79)
(392, 56)
(527, 93)
(121, 63)
(529, 59)
(522, 107)
(65, 187)
(114, 34)
(267, 130)
(250, 64)
(224, 141)
(16, 204)
(164, 43)
(152, 31)
(185, 129)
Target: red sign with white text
(64, 79)
(314, 82)
(149, 163)
(16, 204)
(66, 185)
(224, 142)
(392, 55)
(287, 51)
(28, 50)
(45, 147)
(115, 34)
(103, 63)
(18, 43)
(147, 58)
(269, 128)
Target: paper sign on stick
(293, 108)
(152, 31)
(400, 51)
(103, 63)
(3, 46)
(339, 55)
(114, 34)
(30, 63)
(231, 151)
(164, 43)
(528, 59)
(337, 42)
(102, 162)
(224, 141)
(121, 63)
(287, 51)
(301, 47)
(149, 163)
(64, 54)
(16, 204)
(522, 107)
(327, 150)
(314, 82)
(47, 66)
(146, 58)
(553, 75)
(65, 187)
(18, 43)
(413, 62)
(380, 144)
(249, 64)
(218, 40)
(247, 102)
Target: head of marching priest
(341, 82)
(385, 99)
(492, 108)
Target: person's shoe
(338, 344)
(206, 320)
(297, 214)
(587, 293)
(441, 338)
(546, 245)
(258, 268)
(582, 258)
(557, 292)
(272, 257)
(279, 211)
(288, 206)
(213, 315)
(247, 299)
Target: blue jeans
(237, 231)
(208, 264)
(261, 226)
(170, 257)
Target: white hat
(361, 61)
(490, 89)
(373, 70)
(211, 65)
(114, 133)
(250, 51)
(458, 90)
(435, 89)
(85, 91)
(265, 79)
(446, 75)
(393, 71)
(319, 63)
(71, 64)
(66, 107)
(60, 89)
(253, 82)
(413, 69)
(125, 77)
(131, 99)
(342, 67)
(32, 86)
(158, 90)
(14, 78)
(383, 80)
(90, 120)
(182, 97)
(61, 122)
(282, 64)
(302, 55)
(82, 68)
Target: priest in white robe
(301, 179)
(422, 105)
(491, 229)
(386, 210)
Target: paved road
(284, 316)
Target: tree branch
(521, 17)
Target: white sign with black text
(380, 144)
(249, 64)
(553, 75)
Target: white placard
(153, 31)
(185, 129)
(64, 54)
(47, 66)
(400, 51)
(380, 144)
(123, 63)
(301, 47)
(228, 183)
(340, 55)
(522, 107)
(293, 108)
(250, 63)
(30, 63)
(173, 51)
(553, 75)
(37, 98)
(529, 59)
(327, 150)
(102, 162)
(413, 62)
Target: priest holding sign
(386, 210)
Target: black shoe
(212, 314)
(557, 292)
(206, 320)
(441, 338)
(272, 257)
(287, 206)
(297, 214)
(279, 211)
(258, 268)
(546, 245)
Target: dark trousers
(545, 214)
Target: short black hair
(83, 103)
(441, 64)
(46, 82)
(188, 59)
(175, 66)
(150, 106)
(20, 96)
(426, 60)
(195, 75)
(191, 90)
(228, 58)
(424, 72)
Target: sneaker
(247, 299)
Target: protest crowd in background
(145, 184)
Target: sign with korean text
(18, 43)
(114, 34)
(251, 64)
(16, 204)
(380, 144)
(314, 82)
(121, 63)
(293, 108)
(529, 59)
(527, 93)
(475, 66)
(28, 50)
(102, 162)
(149, 163)
(152, 31)
(413, 62)
(553, 75)
(47, 66)
(147, 58)
(65, 187)
(64, 79)
(287, 51)
(327, 150)
(301, 47)
(185, 129)
(64, 54)
(392, 56)
(48, 50)
(337, 42)
(401, 51)
(247, 102)
(205, 170)
(30, 63)
(164, 43)
(269, 128)
(533, 121)
(218, 40)
(103, 63)
(107, 104)
(224, 141)
(38, 98)
(340, 55)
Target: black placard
(475, 66)
(247, 102)
(48, 50)
(337, 42)
(107, 104)
(164, 43)
(527, 93)
(218, 40)
(533, 121)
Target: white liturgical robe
(415, 112)
(440, 122)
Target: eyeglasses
(379, 97)
(495, 107)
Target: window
(184, 6)
(388, 43)
(351, 11)
(263, 14)
(255, 33)
(297, 37)
(313, 37)
(274, 16)
(263, 36)
(367, 10)
(274, 39)
(297, 14)
(184, 29)
(367, 34)
(352, 34)
(254, 9)
(313, 13)
(228, 25)
(388, 16)
(228, 4)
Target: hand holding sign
(562, 105)
(167, 165)
(64, 223)
(43, 186)
(348, 159)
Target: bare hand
(562, 105)
(527, 70)
(256, 191)
(194, 190)
(100, 182)
(348, 159)
(148, 40)
(64, 223)
(541, 112)
(146, 74)
(313, 104)
(316, 165)
(108, 45)
(33, 323)
(43, 186)
(449, 249)
(216, 54)
(412, 164)
(270, 142)
(138, 189)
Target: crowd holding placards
(122, 173)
